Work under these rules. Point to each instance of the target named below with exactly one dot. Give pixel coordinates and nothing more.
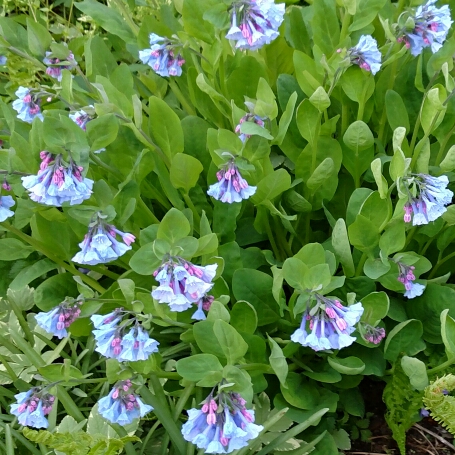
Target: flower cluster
(58, 182)
(112, 342)
(255, 23)
(55, 65)
(26, 105)
(432, 198)
(122, 405)
(100, 244)
(231, 186)
(161, 57)
(431, 28)
(6, 202)
(222, 425)
(366, 54)
(372, 334)
(31, 408)
(248, 118)
(60, 318)
(81, 118)
(183, 283)
(3, 60)
(406, 276)
(331, 324)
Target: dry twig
(435, 435)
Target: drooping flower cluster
(222, 425)
(161, 57)
(372, 334)
(32, 407)
(182, 284)
(406, 276)
(81, 118)
(100, 244)
(231, 186)
(366, 54)
(122, 405)
(248, 118)
(112, 341)
(58, 182)
(60, 318)
(431, 200)
(26, 105)
(255, 23)
(330, 323)
(431, 28)
(55, 65)
(6, 202)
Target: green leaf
(39, 39)
(320, 99)
(340, 243)
(376, 307)
(144, 260)
(433, 108)
(174, 226)
(308, 120)
(381, 182)
(393, 239)
(294, 271)
(102, 131)
(256, 288)
(218, 311)
(448, 163)
(198, 366)
(286, 119)
(231, 342)
(365, 13)
(429, 307)
(30, 273)
(54, 290)
(165, 127)
(251, 128)
(320, 175)
(272, 185)
(363, 234)
(185, 171)
(325, 25)
(416, 371)
(300, 392)
(265, 105)
(244, 317)
(13, 249)
(108, 18)
(448, 333)
(349, 365)
(278, 361)
(402, 338)
(23, 298)
(358, 137)
(397, 113)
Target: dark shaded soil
(425, 437)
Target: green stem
(27, 57)
(442, 367)
(22, 322)
(187, 391)
(196, 216)
(105, 166)
(360, 265)
(161, 409)
(276, 252)
(383, 122)
(345, 27)
(149, 435)
(179, 95)
(8, 368)
(129, 448)
(42, 249)
(439, 263)
(222, 77)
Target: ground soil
(424, 438)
